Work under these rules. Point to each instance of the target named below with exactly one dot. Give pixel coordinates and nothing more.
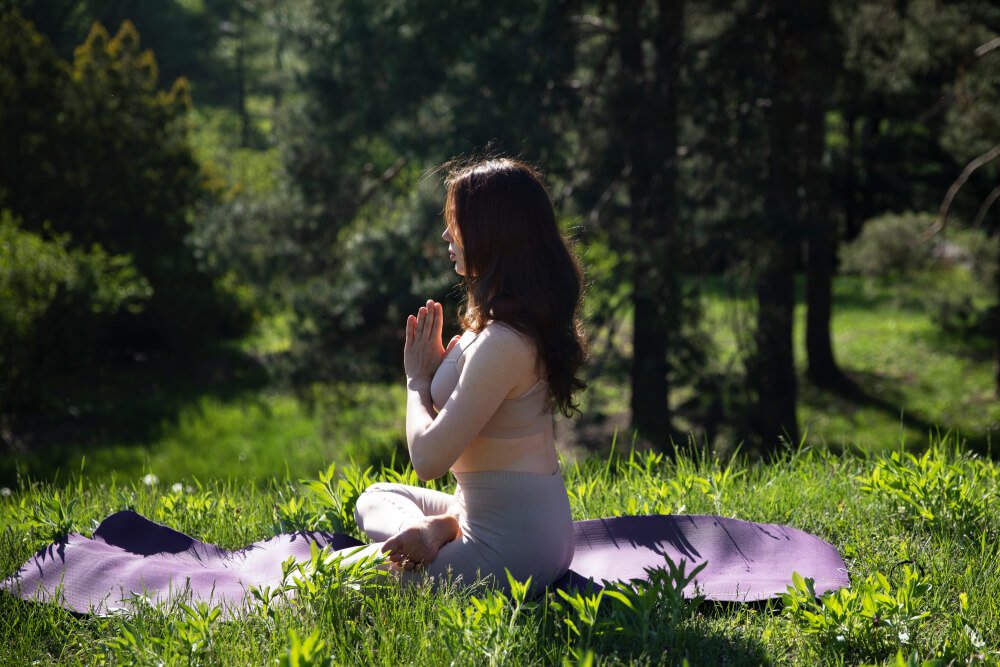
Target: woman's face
(455, 252)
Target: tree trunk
(777, 389)
(649, 106)
(773, 372)
(852, 221)
(822, 238)
(822, 367)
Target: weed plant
(919, 535)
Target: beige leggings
(515, 520)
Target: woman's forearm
(419, 416)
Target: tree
(646, 107)
(97, 156)
(790, 31)
(821, 236)
(389, 91)
(49, 293)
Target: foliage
(191, 509)
(99, 158)
(941, 490)
(485, 629)
(44, 283)
(314, 203)
(349, 317)
(890, 245)
(869, 618)
(49, 520)
(306, 652)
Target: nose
(446, 235)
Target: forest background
(216, 215)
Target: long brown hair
(519, 269)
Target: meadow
(900, 479)
(918, 533)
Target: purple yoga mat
(744, 561)
(129, 554)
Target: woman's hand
(423, 351)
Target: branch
(987, 47)
(596, 23)
(949, 197)
(987, 203)
(384, 178)
(594, 217)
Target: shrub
(890, 245)
(100, 153)
(45, 282)
(868, 619)
(944, 491)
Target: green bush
(100, 151)
(983, 251)
(890, 245)
(45, 281)
(968, 308)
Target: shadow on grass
(862, 389)
(130, 400)
(709, 647)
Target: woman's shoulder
(503, 340)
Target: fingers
(421, 323)
(429, 321)
(453, 343)
(411, 323)
(438, 322)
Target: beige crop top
(515, 418)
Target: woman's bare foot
(418, 543)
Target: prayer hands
(423, 351)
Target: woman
(482, 406)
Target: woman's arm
(493, 367)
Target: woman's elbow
(425, 464)
(427, 470)
(425, 475)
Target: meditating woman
(482, 406)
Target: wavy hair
(519, 270)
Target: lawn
(919, 535)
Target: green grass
(912, 378)
(250, 437)
(936, 512)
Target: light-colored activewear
(515, 520)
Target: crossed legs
(413, 523)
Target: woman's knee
(373, 492)
(371, 498)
